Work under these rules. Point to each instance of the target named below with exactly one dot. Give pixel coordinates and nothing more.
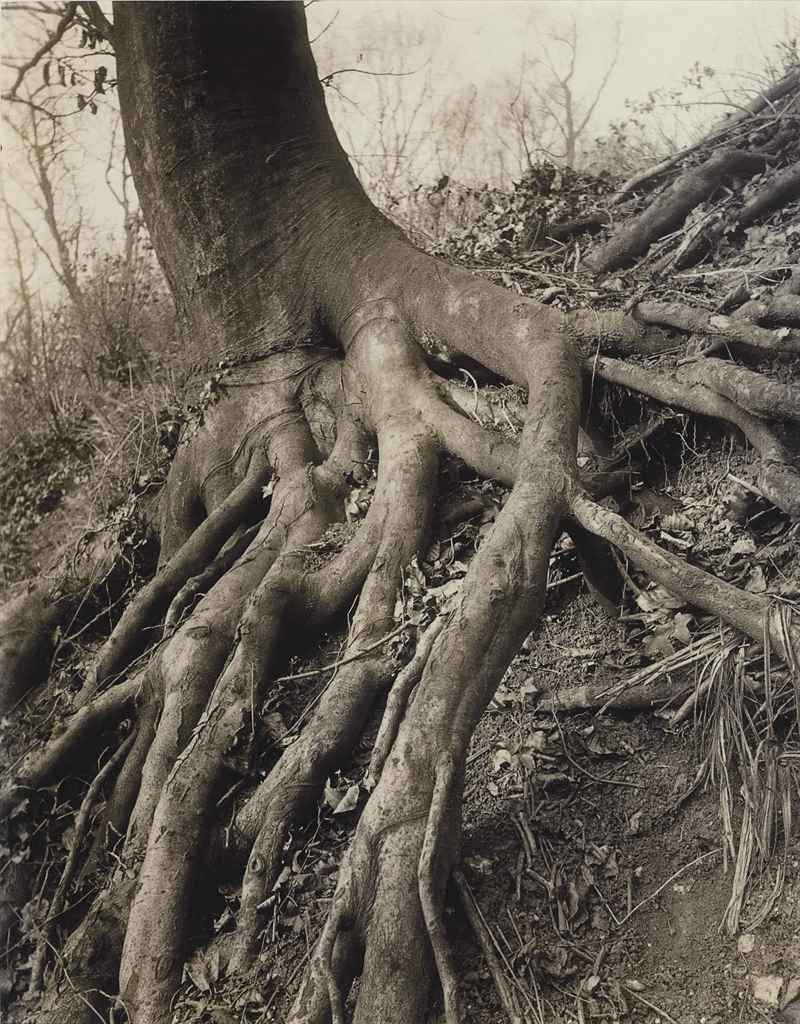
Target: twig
(344, 661)
(64, 23)
(652, 1006)
(759, 272)
(487, 943)
(567, 579)
(662, 887)
(583, 771)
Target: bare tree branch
(64, 23)
(98, 20)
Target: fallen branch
(753, 391)
(784, 188)
(722, 329)
(669, 211)
(778, 479)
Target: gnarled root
(151, 603)
(82, 583)
(779, 480)
(408, 835)
(403, 505)
(752, 391)
(200, 694)
(669, 211)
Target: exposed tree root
(120, 804)
(84, 987)
(79, 834)
(778, 478)
(80, 737)
(308, 418)
(783, 189)
(196, 586)
(779, 309)
(432, 882)
(752, 391)
(406, 477)
(153, 600)
(729, 125)
(486, 940)
(669, 210)
(399, 699)
(720, 329)
(591, 696)
(408, 835)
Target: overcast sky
(479, 40)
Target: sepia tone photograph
(400, 512)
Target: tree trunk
(261, 226)
(282, 268)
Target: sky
(660, 40)
(477, 42)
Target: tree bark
(282, 267)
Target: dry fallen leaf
(348, 801)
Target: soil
(615, 910)
(599, 868)
(618, 914)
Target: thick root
(198, 586)
(82, 822)
(408, 814)
(181, 815)
(669, 210)
(81, 736)
(406, 480)
(779, 480)
(129, 636)
(752, 391)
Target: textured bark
(752, 391)
(779, 477)
(783, 87)
(719, 329)
(670, 210)
(281, 266)
(783, 189)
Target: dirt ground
(598, 869)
